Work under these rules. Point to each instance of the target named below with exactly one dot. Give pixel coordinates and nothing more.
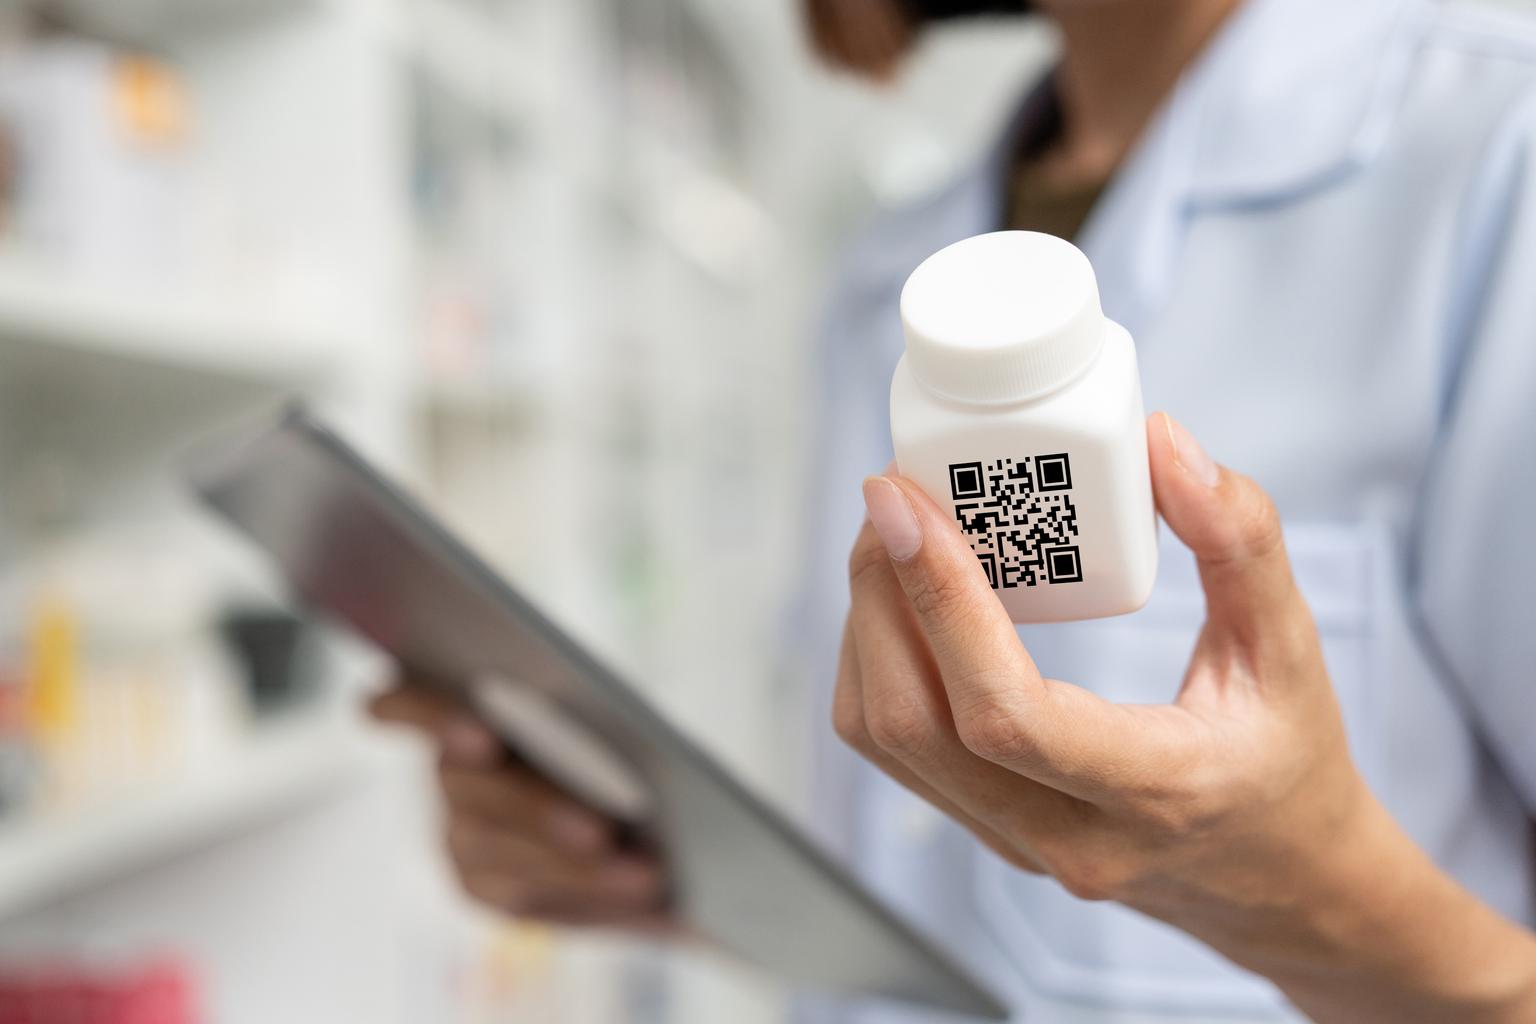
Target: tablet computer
(356, 547)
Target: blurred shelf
(54, 323)
(149, 21)
(481, 400)
(470, 56)
(710, 220)
(750, 41)
(281, 769)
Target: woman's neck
(1120, 60)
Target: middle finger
(849, 714)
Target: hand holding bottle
(1234, 813)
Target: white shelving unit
(289, 273)
(279, 769)
(462, 50)
(481, 400)
(51, 322)
(139, 20)
(630, 446)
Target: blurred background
(555, 263)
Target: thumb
(1232, 528)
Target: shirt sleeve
(1475, 543)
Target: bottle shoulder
(1098, 400)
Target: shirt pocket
(1104, 954)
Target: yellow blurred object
(52, 699)
(150, 101)
(52, 675)
(512, 975)
(519, 954)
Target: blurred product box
(111, 672)
(93, 158)
(163, 992)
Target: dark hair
(923, 11)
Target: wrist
(1376, 931)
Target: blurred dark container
(276, 649)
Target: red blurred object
(161, 992)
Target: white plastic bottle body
(1072, 464)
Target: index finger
(1004, 710)
(462, 738)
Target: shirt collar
(1291, 95)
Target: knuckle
(1173, 814)
(903, 728)
(848, 723)
(1261, 531)
(1086, 883)
(1188, 801)
(1194, 808)
(1096, 879)
(993, 729)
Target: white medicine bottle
(1017, 407)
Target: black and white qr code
(1019, 518)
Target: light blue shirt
(1325, 248)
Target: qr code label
(1020, 519)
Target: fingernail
(1189, 455)
(578, 831)
(893, 518)
(466, 742)
(889, 470)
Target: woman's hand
(518, 843)
(1234, 812)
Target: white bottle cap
(1003, 317)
